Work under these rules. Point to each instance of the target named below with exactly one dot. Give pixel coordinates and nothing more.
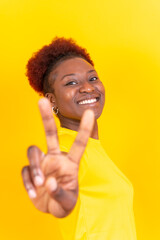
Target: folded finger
(67, 199)
(27, 181)
(35, 157)
(49, 126)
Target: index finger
(49, 126)
(84, 133)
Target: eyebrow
(73, 74)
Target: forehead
(73, 65)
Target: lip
(89, 98)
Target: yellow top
(104, 210)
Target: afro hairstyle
(42, 62)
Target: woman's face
(77, 87)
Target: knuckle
(34, 169)
(70, 158)
(80, 143)
(27, 185)
(47, 117)
(54, 151)
(86, 130)
(24, 169)
(31, 149)
(51, 132)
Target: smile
(88, 101)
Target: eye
(93, 79)
(71, 83)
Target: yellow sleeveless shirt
(104, 210)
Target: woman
(88, 194)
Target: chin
(97, 115)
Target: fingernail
(32, 193)
(38, 180)
(52, 184)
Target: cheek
(65, 98)
(101, 89)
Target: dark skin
(51, 179)
(83, 84)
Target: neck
(74, 125)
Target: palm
(66, 173)
(59, 191)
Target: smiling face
(76, 88)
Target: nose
(86, 88)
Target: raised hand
(51, 179)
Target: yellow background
(123, 38)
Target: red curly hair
(42, 62)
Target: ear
(51, 98)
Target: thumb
(67, 199)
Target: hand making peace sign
(51, 180)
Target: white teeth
(88, 101)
